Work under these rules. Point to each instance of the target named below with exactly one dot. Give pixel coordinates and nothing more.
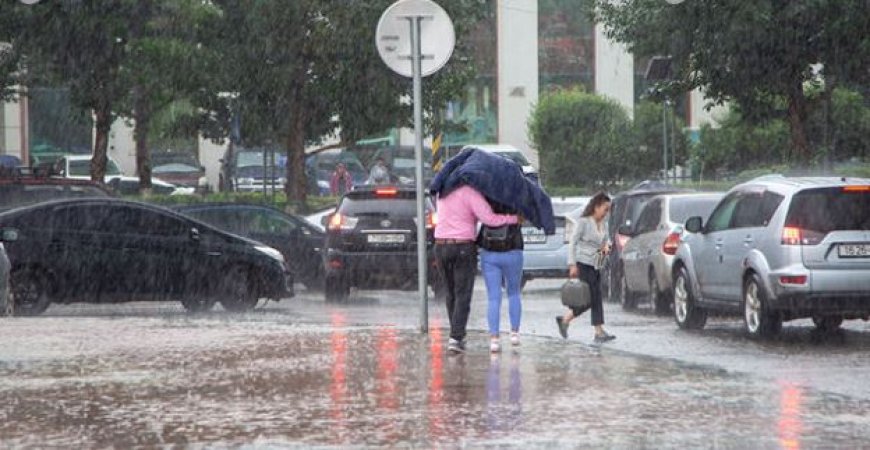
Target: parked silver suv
(648, 256)
(777, 249)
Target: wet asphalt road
(300, 373)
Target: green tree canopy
(582, 139)
(749, 51)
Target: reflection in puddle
(790, 425)
(338, 387)
(504, 415)
(435, 410)
(345, 385)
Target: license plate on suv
(534, 236)
(854, 250)
(386, 238)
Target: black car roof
(118, 201)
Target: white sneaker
(494, 346)
(515, 339)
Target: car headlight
(271, 252)
(244, 181)
(202, 182)
(323, 184)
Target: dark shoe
(604, 337)
(455, 347)
(563, 327)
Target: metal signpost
(421, 33)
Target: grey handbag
(575, 294)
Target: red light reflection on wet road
(790, 425)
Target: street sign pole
(396, 49)
(422, 273)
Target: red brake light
(799, 280)
(791, 236)
(431, 219)
(797, 236)
(671, 244)
(621, 241)
(386, 192)
(335, 221)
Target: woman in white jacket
(588, 245)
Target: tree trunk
(102, 125)
(142, 119)
(797, 119)
(297, 185)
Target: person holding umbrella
(480, 177)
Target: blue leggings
(506, 266)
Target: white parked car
(78, 167)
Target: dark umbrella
(500, 180)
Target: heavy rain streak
(435, 224)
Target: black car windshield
(14, 196)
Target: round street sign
(393, 37)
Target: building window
(566, 46)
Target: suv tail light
(672, 243)
(856, 188)
(621, 241)
(386, 192)
(340, 222)
(797, 236)
(431, 220)
(798, 280)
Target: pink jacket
(459, 212)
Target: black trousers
(459, 265)
(592, 277)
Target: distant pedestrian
(380, 173)
(456, 252)
(501, 261)
(341, 181)
(587, 248)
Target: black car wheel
(29, 292)
(759, 320)
(657, 299)
(237, 293)
(828, 324)
(336, 289)
(686, 313)
(197, 305)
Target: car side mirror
(194, 234)
(625, 230)
(695, 224)
(9, 235)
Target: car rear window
(399, 206)
(683, 208)
(830, 209)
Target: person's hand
(606, 248)
(573, 271)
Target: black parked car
(371, 242)
(299, 242)
(109, 250)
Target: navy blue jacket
(498, 179)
